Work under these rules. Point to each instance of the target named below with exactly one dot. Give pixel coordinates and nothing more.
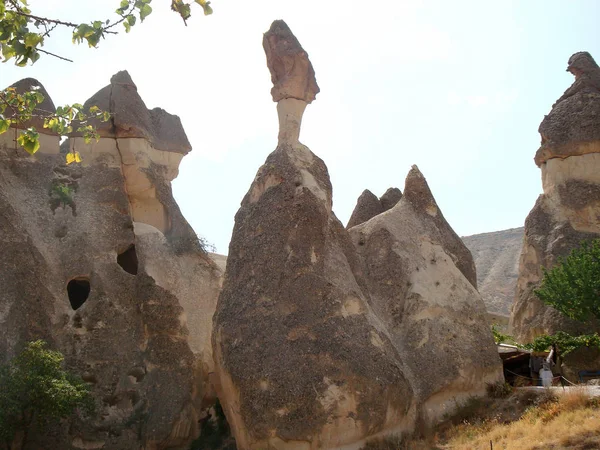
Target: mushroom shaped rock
(421, 281)
(573, 125)
(390, 198)
(293, 77)
(138, 328)
(300, 360)
(568, 211)
(130, 118)
(367, 207)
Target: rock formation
(306, 355)
(300, 360)
(496, 256)
(390, 198)
(568, 211)
(368, 205)
(422, 285)
(98, 260)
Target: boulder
(568, 211)
(292, 72)
(422, 286)
(128, 299)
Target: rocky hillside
(496, 257)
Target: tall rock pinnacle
(568, 212)
(300, 361)
(293, 77)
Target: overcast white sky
(456, 87)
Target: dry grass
(527, 420)
(571, 421)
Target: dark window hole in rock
(79, 291)
(128, 260)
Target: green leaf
(145, 11)
(4, 124)
(33, 39)
(29, 140)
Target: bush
(500, 389)
(34, 388)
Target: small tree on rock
(572, 286)
(35, 389)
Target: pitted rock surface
(390, 198)
(418, 274)
(367, 207)
(573, 126)
(292, 299)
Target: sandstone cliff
(496, 257)
(568, 211)
(98, 260)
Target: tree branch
(54, 54)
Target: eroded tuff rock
(572, 126)
(310, 335)
(421, 280)
(369, 206)
(390, 198)
(300, 359)
(132, 119)
(129, 304)
(328, 376)
(568, 211)
(292, 73)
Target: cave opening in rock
(128, 260)
(79, 291)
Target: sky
(456, 87)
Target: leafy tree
(572, 286)
(34, 388)
(564, 341)
(23, 35)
